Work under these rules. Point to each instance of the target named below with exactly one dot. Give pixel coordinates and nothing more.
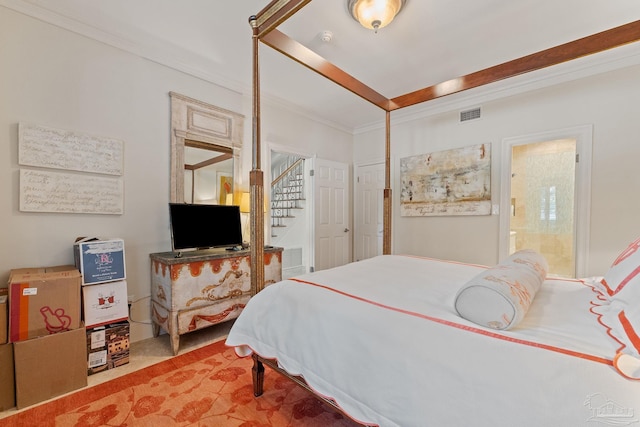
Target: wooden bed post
(258, 375)
(256, 178)
(386, 220)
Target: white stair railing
(287, 193)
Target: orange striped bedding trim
(608, 328)
(465, 327)
(628, 328)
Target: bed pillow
(621, 317)
(618, 306)
(500, 296)
(625, 270)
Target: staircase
(287, 193)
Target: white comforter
(381, 337)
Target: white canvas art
(451, 182)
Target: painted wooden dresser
(202, 288)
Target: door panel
(332, 234)
(369, 211)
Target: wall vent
(472, 114)
(291, 257)
(292, 263)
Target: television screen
(204, 226)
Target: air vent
(472, 114)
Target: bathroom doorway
(545, 198)
(543, 203)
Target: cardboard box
(107, 347)
(99, 260)
(105, 303)
(4, 319)
(43, 301)
(49, 366)
(7, 379)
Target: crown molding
(142, 45)
(621, 57)
(188, 62)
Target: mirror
(208, 174)
(205, 148)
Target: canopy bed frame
(264, 25)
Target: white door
(331, 214)
(369, 211)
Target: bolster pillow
(500, 296)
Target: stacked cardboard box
(104, 300)
(46, 333)
(4, 319)
(7, 380)
(108, 346)
(43, 301)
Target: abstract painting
(225, 186)
(451, 182)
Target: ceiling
(429, 42)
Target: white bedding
(382, 338)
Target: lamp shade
(245, 203)
(374, 14)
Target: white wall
(53, 77)
(608, 101)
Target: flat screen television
(196, 226)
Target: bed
(385, 339)
(382, 340)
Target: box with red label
(99, 260)
(43, 301)
(105, 303)
(107, 347)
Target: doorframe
(583, 135)
(310, 202)
(354, 198)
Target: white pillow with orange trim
(500, 296)
(621, 317)
(618, 308)
(624, 271)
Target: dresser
(196, 289)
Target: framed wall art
(451, 182)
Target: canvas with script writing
(88, 177)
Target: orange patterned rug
(206, 387)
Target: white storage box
(105, 303)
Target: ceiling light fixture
(374, 14)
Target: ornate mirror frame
(204, 123)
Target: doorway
(545, 198)
(316, 234)
(543, 202)
(290, 209)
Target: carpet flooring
(206, 387)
